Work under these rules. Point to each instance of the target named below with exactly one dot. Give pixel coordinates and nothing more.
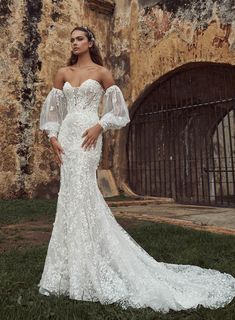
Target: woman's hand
(91, 135)
(57, 150)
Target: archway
(181, 140)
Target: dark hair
(94, 50)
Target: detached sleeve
(115, 114)
(54, 110)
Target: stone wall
(35, 43)
(153, 37)
(141, 41)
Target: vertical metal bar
(195, 151)
(208, 167)
(202, 197)
(150, 141)
(185, 182)
(213, 164)
(130, 156)
(224, 153)
(169, 116)
(134, 151)
(224, 138)
(163, 120)
(173, 135)
(230, 76)
(144, 150)
(180, 121)
(189, 146)
(219, 160)
(225, 161)
(159, 147)
(141, 154)
(154, 151)
(210, 149)
(148, 153)
(231, 147)
(138, 155)
(216, 115)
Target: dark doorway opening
(181, 139)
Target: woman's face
(79, 42)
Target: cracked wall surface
(153, 37)
(140, 41)
(35, 43)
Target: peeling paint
(29, 68)
(56, 10)
(5, 12)
(142, 41)
(159, 18)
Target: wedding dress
(90, 256)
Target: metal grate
(181, 140)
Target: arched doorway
(181, 141)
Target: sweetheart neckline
(83, 83)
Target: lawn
(20, 269)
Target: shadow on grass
(21, 271)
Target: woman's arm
(115, 113)
(53, 112)
(59, 79)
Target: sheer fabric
(90, 256)
(53, 112)
(115, 115)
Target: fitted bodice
(79, 106)
(85, 98)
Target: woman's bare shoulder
(105, 71)
(106, 77)
(63, 70)
(59, 78)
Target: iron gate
(181, 140)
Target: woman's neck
(83, 61)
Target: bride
(90, 256)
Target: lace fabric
(90, 256)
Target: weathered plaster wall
(10, 102)
(143, 40)
(157, 36)
(35, 43)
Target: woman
(90, 256)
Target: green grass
(19, 211)
(20, 272)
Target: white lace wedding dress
(90, 256)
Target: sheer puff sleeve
(53, 112)
(115, 114)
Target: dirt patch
(37, 232)
(30, 233)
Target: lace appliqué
(90, 256)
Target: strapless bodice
(79, 106)
(85, 98)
